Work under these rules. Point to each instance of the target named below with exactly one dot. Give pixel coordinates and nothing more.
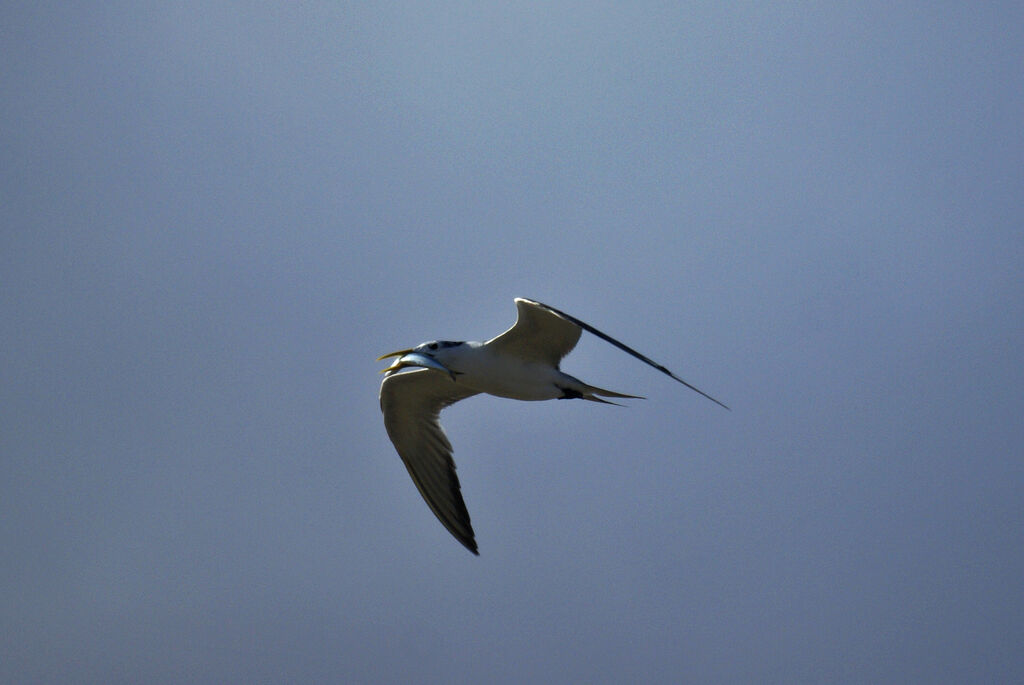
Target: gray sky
(213, 217)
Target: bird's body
(487, 369)
(521, 364)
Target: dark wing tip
(466, 540)
(698, 390)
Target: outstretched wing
(540, 334)
(538, 309)
(412, 402)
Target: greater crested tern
(520, 364)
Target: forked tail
(574, 389)
(591, 393)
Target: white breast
(480, 368)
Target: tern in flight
(521, 364)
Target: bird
(520, 364)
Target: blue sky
(215, 216)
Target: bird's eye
(432, 346)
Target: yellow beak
(410, 358)
(398, 364)
(394, 354)
(394, 367)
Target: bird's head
(428, 355)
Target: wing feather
(412, 402)
(536, 331)
(539, 334)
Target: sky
(214, 216)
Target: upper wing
(412, 402)
(537, 313)
(540, 334)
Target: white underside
(480, 368)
